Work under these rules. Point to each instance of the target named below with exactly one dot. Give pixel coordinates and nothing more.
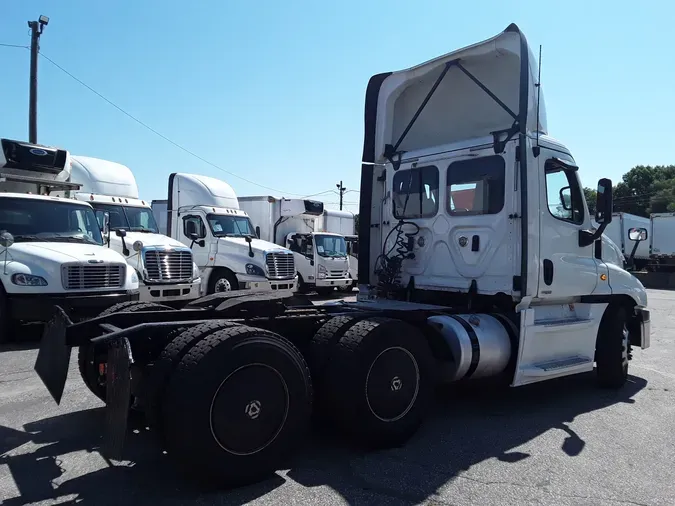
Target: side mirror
(565, 198)
(637, 234)
(257, 232)
(604, 204)
(194, 236)
(6, 239)
(120, 232)
(103, 218)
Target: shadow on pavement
(471, 425)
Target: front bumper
(645, 326)
(329, 282)
(260, 284)
(40, 307)
(180, 292)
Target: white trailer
(510, 282)
(204, 213)
(320, 256)
(618, 231)
(662, 242)
(164, 265)
(51, 248)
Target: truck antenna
(537, 149)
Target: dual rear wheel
(232, 402)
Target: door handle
(475, 243)
(548, 272)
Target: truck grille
(337, 274)
(280, 265)
(168, 266)
(85, 276)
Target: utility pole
(342, 190)
(36, 28)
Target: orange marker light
(603, 277)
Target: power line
(134, 118)
(14, 45)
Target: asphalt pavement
(564, 442)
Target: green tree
(646, 189)
(590, 195)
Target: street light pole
(36, 28)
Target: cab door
(566, 269)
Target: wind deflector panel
(32, 157)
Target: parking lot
(561, 442)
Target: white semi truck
(51, 248)
(511, 282)
(204, 214)
(320, 256)
(164, 265)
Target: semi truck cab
(51, 248)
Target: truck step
(555, 367)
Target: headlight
(134, 277)
(322, 272)
(28, 280)
(254, 270)
(195, 271)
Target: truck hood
(62, 252)
(256, 244)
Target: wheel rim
(223, 285)
(392, 384)
(249, 409)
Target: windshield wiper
(27, 238)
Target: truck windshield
(134, 219)
(330, 245)
(223, 225)
(49, 221)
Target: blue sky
(273, 91)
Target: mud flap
(118, 395)
(53, 357)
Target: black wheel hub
(249, 409)
(392, 384)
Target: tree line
(643, 190)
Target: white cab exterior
(320, 257)
(226, 249)
(164, 265)
(475, 198)
(57, 256)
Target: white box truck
(320, 257)
(164, 265)
(51, 248)
(204, 213)
(343, 223)
(662, 243)
(513, 284)
(618, 231)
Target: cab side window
(194, 225)
(563, 194)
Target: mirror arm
(588, 237)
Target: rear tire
(236, 406)
(180, 342)
(613, 348)
(86, 352)
(380, 382)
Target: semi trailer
(512, 284)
